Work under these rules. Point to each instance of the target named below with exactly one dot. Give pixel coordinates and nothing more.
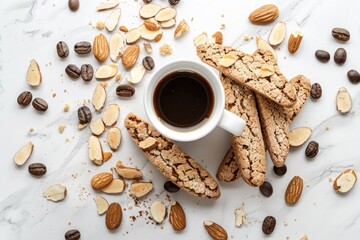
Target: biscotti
(258, 71)
(171, 161)
(228, 170)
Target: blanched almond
(23, 154)
(116, 186)
(262, 44)
(107, 5)
(101, 204)
(181, 29)
(148, 144)
(99, 97)
(33, 75)
(132, 36)
(97, 127)
(150, 35)
(228, 59)
(112, 20)
(106, 71)
(165, 14)
(137, 74)
(277, 34)
(343, 100)
(95, 150)
(151, 24)
(117, 46)
(299, 136)
(140, 189)
(111, 115)
(114, 138)
(129, 173)
(200, 39)
(168, 24)
(149, 10)
(158, 211)
(55, 193)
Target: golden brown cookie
(228, 170)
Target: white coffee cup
(219, 116)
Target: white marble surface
(31, 28)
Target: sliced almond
(158, 211)
(200, 39)
(132, 36)
(107, 156)
(168, 24)
(343, 100)
(117, 46)
(181, 29)
(299, 136)
(137, 74)
(55, 193)
(148, 144)
(262, 44)
(265, 71)
(107, 5)
(277, 34)
(151, 24)
(101, 204)
(112, 20)
(165, 14)
(114, 138)
(148, 47)
(97, 127)
(33, 75)
(106, 71)
(228, 59)
(239, 217)
(129, 173)
(23, 154)
(150, 35)
(95, 150)
(140, 189)
(345, 181)
(99, 97)
(116, 186)
(149, 10)
(111, 114)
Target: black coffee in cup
(183, 99)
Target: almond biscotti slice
(275, 128)
(249, 147)
(302, 87)
(171, 161)
(258, 71)
(228, 170)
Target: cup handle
(232, 123)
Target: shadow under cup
(167, 79)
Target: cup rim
(219, 99)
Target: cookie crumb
(305, 237)
(222, 26)
(104, 84)
(31, 129)
(54, 94)
(330, 179)
(62, 128)
(66, 107)
(248, 37)
(100, 24)
(165, 49)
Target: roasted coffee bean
(24, 98)
(74, 5)
(73, 71)
(40, 104)
(316, 91)
(268, 225)
(340, 56)
(62, 49)
(87, 72)
(353, 76)
(84, 115)
(125, 90)
(82, 47)
(322, 55)
(171, 187)
(312, 149)
(148, 63)
(174, 2)
(72, 234)
(341, 34)
(280, 171)
(37, 169)
(147, 1)
(266, 189)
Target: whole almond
(345, 181)
(101, 48)
(264, 14)
(177, 217)
(216, 231)
(294, 41)
(130, 56)
(294, 190)
(101, 180)
(113, 216)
